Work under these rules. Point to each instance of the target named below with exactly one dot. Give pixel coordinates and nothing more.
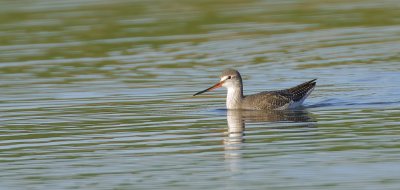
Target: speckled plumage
(281, 99)
(268, 100)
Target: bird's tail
(301, 91)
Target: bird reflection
(237, 120)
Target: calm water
(98, 94)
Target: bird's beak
(219, 84)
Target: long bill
(211, 88)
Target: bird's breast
(233, 99)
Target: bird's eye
(229, 77)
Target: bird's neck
(234, 98)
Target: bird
(290, 98)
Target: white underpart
(286, 106)
(233, 98)
(292, 104)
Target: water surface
(98, 94)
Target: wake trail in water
(337, 103)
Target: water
(98, 94)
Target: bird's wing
(280, 98)
(267, 100)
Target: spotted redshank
(269, 100)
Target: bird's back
(280, 99)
